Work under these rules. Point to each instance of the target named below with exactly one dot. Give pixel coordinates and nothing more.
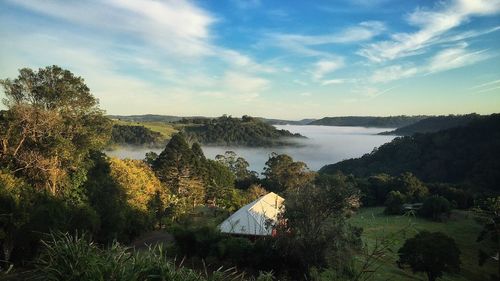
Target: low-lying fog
(324, 145)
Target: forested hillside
(146, 118)
(136, 135)
(467, 154)
(434, 124)
(247, 131)
(369, 121)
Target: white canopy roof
(254, 218)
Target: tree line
(466, 155)
(245, 131)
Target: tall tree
(282, 173)
(177, 167)
(315, 215)
(138, 181)
(51, 123)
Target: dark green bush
(394, 203)
(435, 207)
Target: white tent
(255, 218)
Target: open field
(167, 130)
(461, 226)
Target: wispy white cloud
(304, 44)
(446, 59)
(337, 81)
(178, 27)
(455, 57)
(432, 25)
(486, 87)
(486, 84)
(393, 72)
(488, 90)
(323, 67)
(361, 32)
(245, 87)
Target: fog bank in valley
(324, 145)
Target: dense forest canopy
(467, 154)
(434, 124)
(369, 121)
(137, 135)
(245, 131)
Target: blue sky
(281, 59)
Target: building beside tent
(256, 218)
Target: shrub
(394, 203)
(432, 253)
(67, 257)
(435, 207)
(236, 249)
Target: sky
(288, 59)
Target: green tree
(430, 252)
(381, 185)
(435, 207)
(489, 217)
(181, 170)
(244, 177)
(282, 173)
(315, 215)
(220, 184)
(51, 124)
(138, 181)
(394, 203)
(411, 186)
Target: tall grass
(67, 257)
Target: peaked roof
(254, 218)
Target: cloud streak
(432, 26)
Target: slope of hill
(148, 118)
(136, 135)
(369, 121)
(288, 122)
(434, 124)
(467, 154)
(247, 131)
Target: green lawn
(461, 226)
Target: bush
(435, 207)
(197, 241)
(394, 203)
(236, 249)
(432, 253)
(67, 257)
(458, 196)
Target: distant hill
(433, 124)
(369, 121)
(172, 119)
(468, 154)
(245, 131)
(149, 118)
(287, 122)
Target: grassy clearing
(166, 129)
(461, 226)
